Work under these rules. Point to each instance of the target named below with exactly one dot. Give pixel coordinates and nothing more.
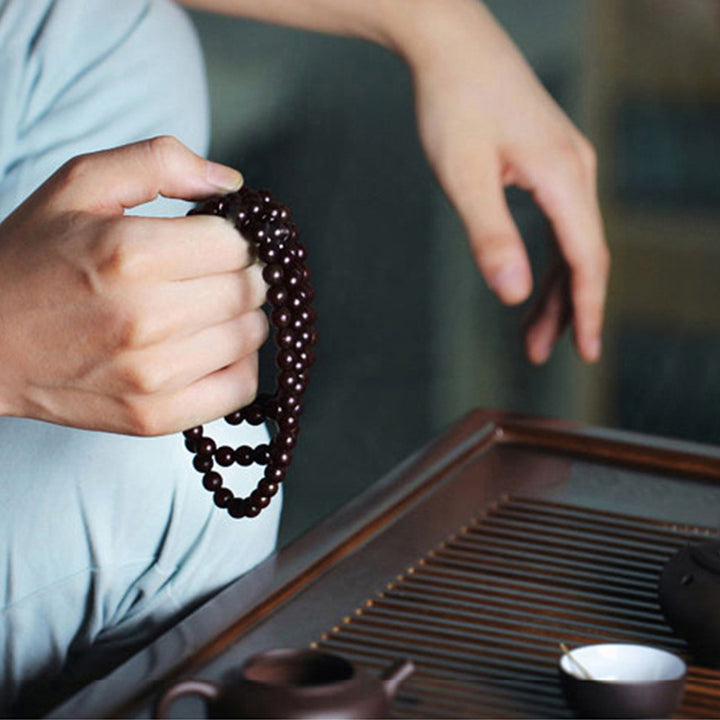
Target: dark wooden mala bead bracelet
(274, 237)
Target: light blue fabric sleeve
(79, 76)
(105, 538)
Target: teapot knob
(396, 674)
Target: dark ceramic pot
(690, 599)
(295, 684)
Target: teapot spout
(396, 674)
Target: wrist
(426, 32)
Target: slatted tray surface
(482, 614)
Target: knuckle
(584, 262)
(250, 380)
(588, 154)
(569, 162)
(139, 378)
(591, 266)
(116, 256)
(496, 251)
(252, 330)
(162, 148)
(141, 418)
(238, 292)
(254, 289)
(261, 329)
(591, 261)
(604, 260)
(125, 327)
(74, 170)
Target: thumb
(112, 180)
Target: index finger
(177, 248)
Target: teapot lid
(707, 555)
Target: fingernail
(223, 177)
(594, 348)
(541, 356)
(538, 353)
(510, 284)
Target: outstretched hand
(486, 122)
(128, 324)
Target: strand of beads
(268, 227)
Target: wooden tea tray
(478, 555)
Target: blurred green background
(410, 338)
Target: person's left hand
(486, 122)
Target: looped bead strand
(267, 225)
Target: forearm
(407, 27)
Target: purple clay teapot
(295, 684)
(690, 599)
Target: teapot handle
(396, 674)
(209, 690)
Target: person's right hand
(486, 122)
(135, 325)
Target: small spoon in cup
(583, 671)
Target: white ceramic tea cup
(623, 680)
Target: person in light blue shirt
(106, 537)
(123, 322)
